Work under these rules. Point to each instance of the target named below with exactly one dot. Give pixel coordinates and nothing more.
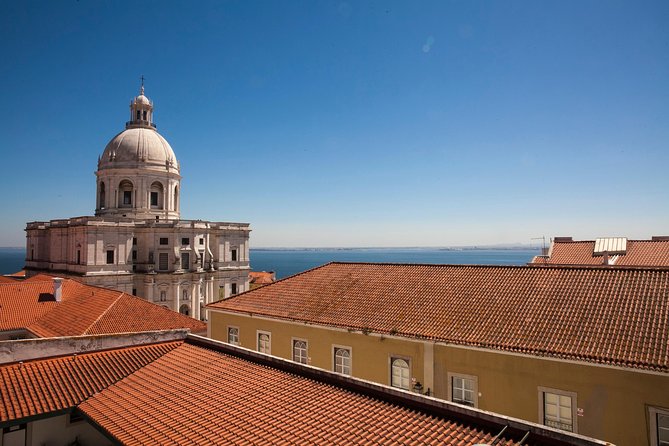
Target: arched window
(102, 196)
(300, 352)
(400, 373)
(125, 194)
(176, 198)
(342, 360)
(184, 309)
(156, 195)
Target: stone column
(148, 288)
(177, 289)
(195, 298)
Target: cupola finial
(141, 90)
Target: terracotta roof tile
(38, 387)
(580, 313)
(639, 253)
(84, 309)
(225, 399)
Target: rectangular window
(134, 241)
(185, 241)
(233, 289)
(233, 335)
(400, 373)
(110, 256)
(233, 253)
(342, 360)
(557, 409)
(300, 351)
(185, 260)
(201, 241)
(164, 241)
(264, 342)
(163, 261)
(78, 257)
(134, 291)
(134, 255)
(154, 199)
(127, 197)
(463, 389)
(659, 426)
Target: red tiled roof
(261, 277)
(580, 313)
(223, 399)
(19, 274)
(39, 387)
(199, 391)
(5, 279)
(84, 309)
(639, 253)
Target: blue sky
(351, 123)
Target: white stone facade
(136, 242)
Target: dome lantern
(141, 111)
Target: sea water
(286, 262)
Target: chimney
(605, 258)
(58, 288)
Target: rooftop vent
(562, 239)
(610, 245)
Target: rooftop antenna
(544, 250)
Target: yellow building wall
(370, 355)
(614, 402)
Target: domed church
(137, 242)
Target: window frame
(113, 255)
(333, 355)
(232, 327)
(475, 390)
(293, 341)
(269, 341)
(185, 265)
(391, 362)
(653, 433)
(559, 392)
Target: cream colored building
(137, 241)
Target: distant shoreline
(410, 248)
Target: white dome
(141, 99)
(139, 147)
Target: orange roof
(19, 274)
(229, 395)
(639, 253)
(84, 309)
(261, 277)
(580, 313)
(6, 279)
(39, 387)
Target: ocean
(286, 262)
